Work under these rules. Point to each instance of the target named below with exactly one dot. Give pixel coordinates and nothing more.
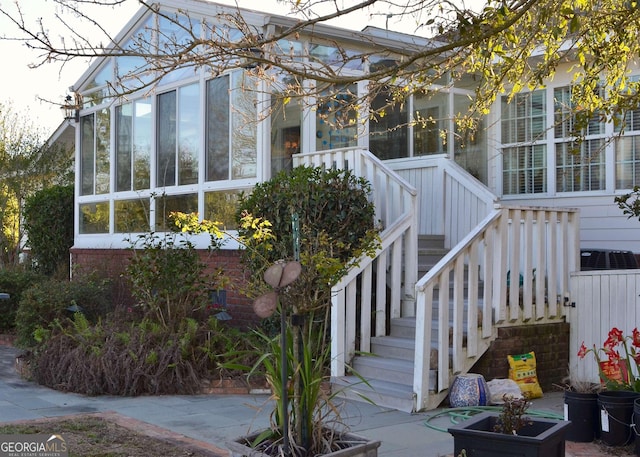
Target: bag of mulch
(522, 369)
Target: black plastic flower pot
(616, 417)
(581, 408)
(541, 438)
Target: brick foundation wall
(550, 342)
(111, 264)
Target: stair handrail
(545, 239)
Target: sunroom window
(133, 145)
(286, 120)
(94, 218)
(221, 206)
(388, 131)
(231, 128)
(132, 215)
(94, 153)
(431, 111)
(336, 119)
(167, 204)
(178, 136)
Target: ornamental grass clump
(617, 360)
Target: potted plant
(509, 432)
(581, 409)
(320, 418)
(620, 376)
(322, 222)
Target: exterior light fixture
(71, 108)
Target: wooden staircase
(392, 340)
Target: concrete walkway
(216, 419)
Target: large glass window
(178, 137)
(524, 167)
(133, 145)
(470, 146)
(336, 119)
(94, 154)
(176, 35)
(231, 107)
(431, 111)
(286, 118)
(87, 155)
(218, 129)
(244, 126)
(388, 131)
(133, 70)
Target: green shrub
(13, 281)
(48, 220)
(168, 279)
(336, 227)
(50, 300)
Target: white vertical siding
(600, 300)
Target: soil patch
(112, 435)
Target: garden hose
(462, 413)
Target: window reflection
(131, 216)
(167, 204)
(94, 218)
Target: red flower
(615, 335)
(621, 366)
(614, 356)
(582, 352)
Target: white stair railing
(379, 288)
(535, 247)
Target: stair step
(401, 348)
(431, 241)
(394, 347)
(384, 368)
(403, 327)
(381, 393)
